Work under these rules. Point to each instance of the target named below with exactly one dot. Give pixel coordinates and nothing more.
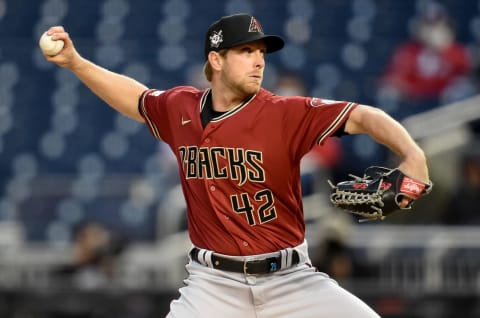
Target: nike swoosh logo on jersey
(185, 121)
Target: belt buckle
(245, 268)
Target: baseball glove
(378, 193)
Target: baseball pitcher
(238, 148)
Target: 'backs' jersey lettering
(220, 163)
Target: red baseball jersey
(241, 173)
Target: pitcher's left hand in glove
(378, 193)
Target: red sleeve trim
(143, 112)
(337, 123)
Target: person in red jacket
(422, 68)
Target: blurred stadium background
(67, 160)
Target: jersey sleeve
(164, 111)
(150, 107)
(311, 121)
(332, 119)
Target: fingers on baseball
(58, 33)
(55, 29)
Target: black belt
(253, 267)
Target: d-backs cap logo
(255, 26)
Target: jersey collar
(206, 101)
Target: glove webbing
(347, 199)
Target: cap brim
(273, 42)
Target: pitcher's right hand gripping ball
(378, 193)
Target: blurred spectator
(334, 256)
(463, 208)
(425, 66)
(95, 251)
(462, 87)
(335, 260)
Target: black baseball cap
(238, 29)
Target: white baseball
(48, 46)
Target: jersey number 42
(242, 203)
